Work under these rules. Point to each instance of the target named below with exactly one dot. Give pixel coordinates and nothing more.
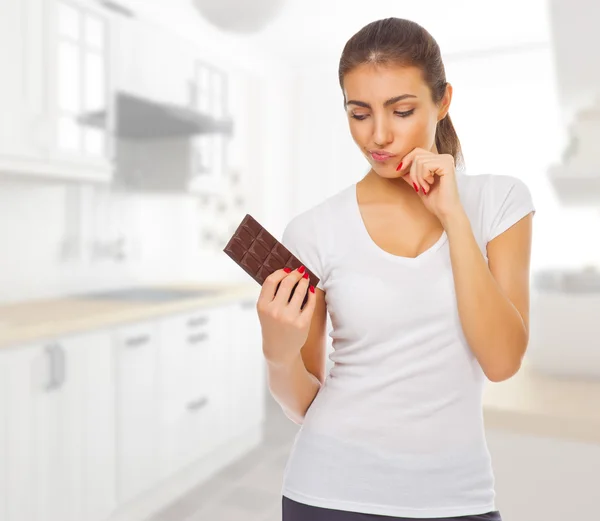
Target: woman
(424, 272)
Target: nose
(382, 133)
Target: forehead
(369, 82)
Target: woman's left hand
(440, 196)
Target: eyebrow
(391, 101)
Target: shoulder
(493, 202)
(322, 213)
(491, 190)
(507, 200)
(307, 234)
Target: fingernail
(287, 270)
(423, 190)
(312, 289)
(416, 187)
(399, 167)
(301, 269)
(306, 275)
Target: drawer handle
(196, 339)
(136, 341)
(56, 359)
(197, 404)
(197, 321)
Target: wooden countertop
(32, 321)
(530, 403)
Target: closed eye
(401, 114)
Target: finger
(300, 292)
(269, 286)
(425, 177)
(310, 304)
(419, 175)
(405, 171)
(429, 167)
(285, 287)
(414, 175)
(407, 161)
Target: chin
(388, 172)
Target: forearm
(293, 387)
(493, 327)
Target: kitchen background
(134, 137)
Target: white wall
(507, 114)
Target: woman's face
(390, 108)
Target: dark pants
(294, 511)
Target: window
(210, 99)
(81, 79)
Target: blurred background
(135, 136)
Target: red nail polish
(287, 270)
(423, 190)
(306, 275)
(416, 187)
(301, 269)
(312, 289)
(399, 167)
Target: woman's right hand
(284, 326)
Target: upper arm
(314, 349)
(509, 257)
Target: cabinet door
(98, 477)
(137, 411)
(79, 84)
(246, 372)
(192, 378)
(55, 437)
(27, 373)
(153, 63)
(3, 454)
(22, 86)
(54, 58)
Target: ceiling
(309, 30)
(313, 28)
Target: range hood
(142, 118)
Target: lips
(381, 153)
(381, 156)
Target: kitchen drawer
(191, 357)
(137, 373)
(192, 364)
(245, 375)
(191, 433)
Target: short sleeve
(509, 201)
(300, 237)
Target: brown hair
(402, 42)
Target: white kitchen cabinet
(245, 370)
(54, 56)
(137, 372)
(3, 469)
(59, 421)
(192, 354)
(152, 62)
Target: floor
(247, 490)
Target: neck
(388, 190)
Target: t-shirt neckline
(372, 245)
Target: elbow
(500, 376)
(505, 369)
(500, 373)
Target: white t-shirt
(397, 428)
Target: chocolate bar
(259, 253)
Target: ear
(445, 102)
